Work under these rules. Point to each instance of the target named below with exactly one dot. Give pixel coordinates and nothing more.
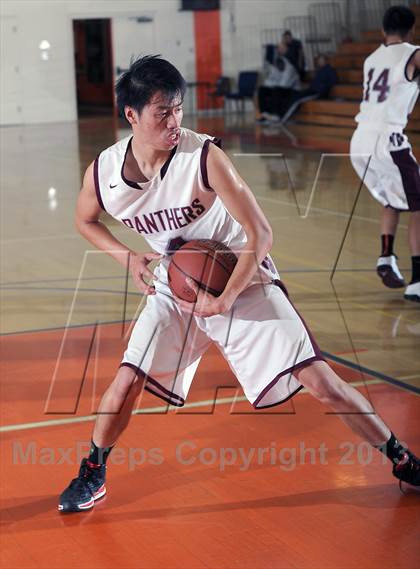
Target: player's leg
(116, 405)
(114, 414)
(389, 223)
(412, 292)
(324, 384)
(372, 161)
(387, 267)
(414, 233)
(405, 187)
(275, 356)
(162, 355)
(356, 411)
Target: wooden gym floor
(210, 485)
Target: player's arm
(240, 202)
(88, 223)
(413, 65)
(242, 205)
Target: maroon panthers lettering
(165, 219)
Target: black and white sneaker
(412, 292)
(84, 490)
(408, 469)
(387, 269)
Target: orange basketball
(207, 262)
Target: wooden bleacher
(332, 120)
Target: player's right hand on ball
(140, 271)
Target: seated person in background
(319, 88)
(294, 53)
(278, 75)
(288, 100)
(325, 77)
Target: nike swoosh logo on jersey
(113, 186)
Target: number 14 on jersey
(381, 85)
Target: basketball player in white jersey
(380, 151)
(170, 185)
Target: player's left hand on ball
(206, 304)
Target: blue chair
(247, 85)
(221, 89)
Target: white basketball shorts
(262, 337)
(392, 175)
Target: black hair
(146, 76)
(398, 20)
(287, 33)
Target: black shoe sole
(389, 278)
(412, 297)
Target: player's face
(159, 122)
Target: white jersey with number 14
(389, 95)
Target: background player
(169, 183)
(390, 91)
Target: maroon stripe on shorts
(164, 397)
(166, 394)
(410, 175)
(96, 180)
(267, 389)
(317, 357)
(203, 160)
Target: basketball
(209, 263)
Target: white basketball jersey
(176, 205)
(388, 95)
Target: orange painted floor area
(215, 486)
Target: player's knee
(325, 386)
(128, 382)
(331, 392)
